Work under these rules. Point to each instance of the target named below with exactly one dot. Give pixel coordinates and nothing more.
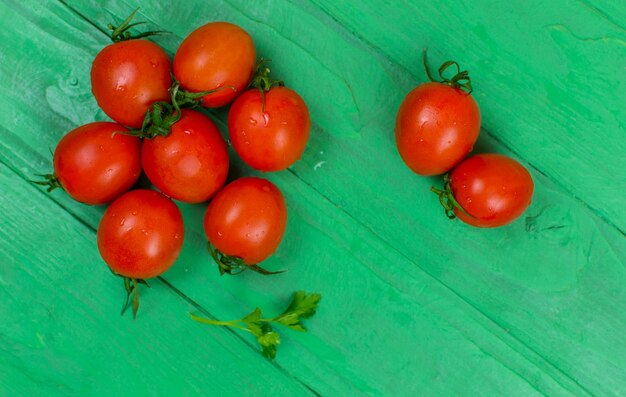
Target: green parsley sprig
(302, 306)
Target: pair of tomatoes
(436, 128)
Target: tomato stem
(50, 180)
(161, 116)
(188, 99)
(263, 81)
(132, 289)
(447, 199)
(234, 265)
(460, 80)
(121, 33)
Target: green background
(413, 304)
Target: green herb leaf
(269, 340)
(253, 322)
(303, 305)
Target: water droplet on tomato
(247, 235)
(134, 212)
(122, 222)
(219, 234)
(252, 121)
(266, 118)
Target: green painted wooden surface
(413, 304)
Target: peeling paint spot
(318, 165)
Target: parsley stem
(220, 323)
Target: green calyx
(262, 80)
(161, 116)
(234, 265)
(303, 306)
(50, 180)
(447, 200)
(122, 33)
(460, 80)
(132, 293)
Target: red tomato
(272, 140)
(141, 234)
(191, 163)
(493, 189)
(94, 165)
(216, 55)
(436, 127)
(129, 76)
(247, 219)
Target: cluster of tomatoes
(160, 128)
(436, 128)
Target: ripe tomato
(191, 163)
(273, 139)
(493, 190)
(247, 220)
(218, 54)
(129, 76)
(436, 127)
(94, 165)
(141, 234)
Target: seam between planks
(602, 14)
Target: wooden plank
(62, 333)
(463, 310)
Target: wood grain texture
(412, 304)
